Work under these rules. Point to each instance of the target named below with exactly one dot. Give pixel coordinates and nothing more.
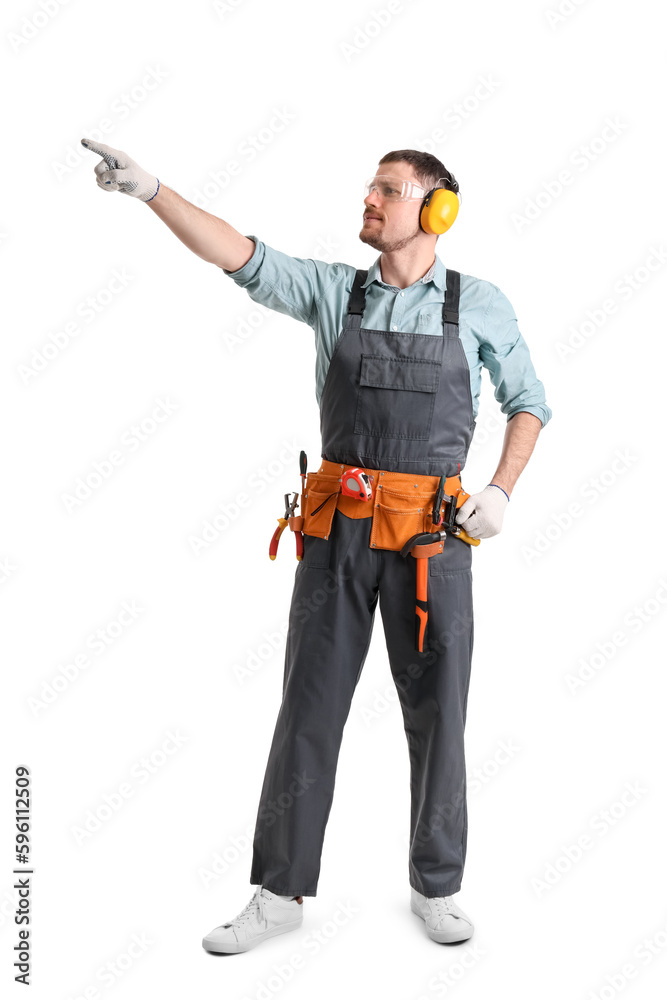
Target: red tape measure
(356, 483)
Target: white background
(552, 590)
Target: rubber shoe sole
(231, 948)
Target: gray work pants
(331, 617)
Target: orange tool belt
(401, 504)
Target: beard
(380, 242)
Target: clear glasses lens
(392, 188)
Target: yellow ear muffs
(439, 210)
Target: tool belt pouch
(319, 504)
(295, 523)
(398, 516)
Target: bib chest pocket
(396, 397)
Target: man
(400, 350)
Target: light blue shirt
(317, 293)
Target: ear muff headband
(439, 210)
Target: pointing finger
(110, 155)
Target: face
(391, 225)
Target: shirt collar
(437, 273)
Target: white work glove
(118, 172)
(482, 513)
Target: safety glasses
(393, 188)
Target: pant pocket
(397, 517)
(316, 552)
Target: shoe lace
(443, 905)
(256, 903)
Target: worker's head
(391, 210)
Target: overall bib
(400, 402)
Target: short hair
(427, 167)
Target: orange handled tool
(422, 547)
(426, 544)
(282, 524)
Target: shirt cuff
(246, 273)
(539, 410)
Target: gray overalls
(399, 402)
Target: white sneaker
(445, 921)
(266, 915)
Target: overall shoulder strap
(450, 307)
(358, 294)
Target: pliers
(290, 507)
(452, 503)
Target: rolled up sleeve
(505, 354)
(290, 285)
